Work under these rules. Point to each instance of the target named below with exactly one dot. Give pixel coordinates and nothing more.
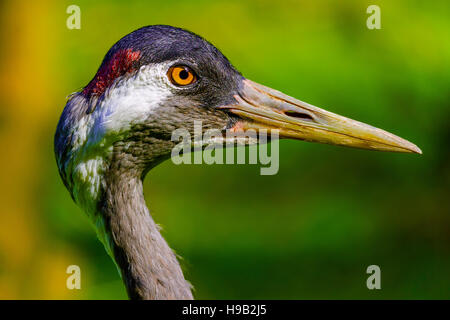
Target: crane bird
(111, 133)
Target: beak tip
(412, 148)
(417, 150)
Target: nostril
(299, 115)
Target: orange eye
(181, 75)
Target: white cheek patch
(133, 100)
(128, 102)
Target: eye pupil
(183, 74)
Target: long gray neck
(149, 267)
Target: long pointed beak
(261, 107)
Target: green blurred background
(308, 232)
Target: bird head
(158, 79)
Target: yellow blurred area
(29, 46)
